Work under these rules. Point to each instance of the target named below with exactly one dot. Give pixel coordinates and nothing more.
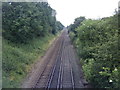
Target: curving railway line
(60, 69)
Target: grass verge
(18, 58)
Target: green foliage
(24, 21)
(72, 35)
(97, 46)
(17, 59)
(77, 22)
(59, 26)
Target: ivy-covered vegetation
(97, 45)
(28, 28)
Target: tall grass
(17, 59)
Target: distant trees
(24, 21)
(73, 26)
(77, 22)
(59, 26)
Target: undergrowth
(18, 58)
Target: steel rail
(48, 85)
(72, 77)
(44, 68)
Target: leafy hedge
(97, 46)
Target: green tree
(25, 21)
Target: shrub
(97, 46)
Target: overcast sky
(68, 10)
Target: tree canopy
(24, 21)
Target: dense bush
(23, 21)
(97, 46)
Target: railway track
(55, 75)
(59, 70)
(45, 76)
(53, 81)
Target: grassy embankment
(18, 58)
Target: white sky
(68, 10)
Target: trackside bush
(97, 46)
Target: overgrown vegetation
(97, 45)
(17, 59)
(28, 29)
(24, 21)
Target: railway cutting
(59, 67)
